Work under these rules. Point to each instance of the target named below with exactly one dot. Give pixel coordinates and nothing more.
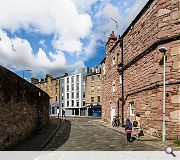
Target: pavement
(122, 130)
(38, 141)
(146, 139)
(87, 134)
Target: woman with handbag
(128, 129)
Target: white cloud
(108, 11)
(68, 20)
(136, 8)
(84, 5)
(103, 27)
(18, 52)
(48, 16)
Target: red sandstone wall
(161, 20)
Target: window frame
(92, 99)
(131, 108)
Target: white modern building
(72, 97)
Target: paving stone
(71, 136)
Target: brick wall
(19, 105)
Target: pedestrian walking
(128, 129)
(63, 113)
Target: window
(120, 79)
(92, 99)
(77, 103)
(67, 95)
(113, 88)
(67, 87)
(131, 106)
(77, 95)
(72, 103)
(84, 78)
(62, 98)
(56, 98)
(113, 61)
(99, 100)
(83, 94)
(67, 103)
(72, 79)
(56, 90)
(56, 82)
(99, 78)
(99, 88)
(62, 81)
(77, 78)
(62, 104)
(92, 78)
(92, 88)
(77, 86)
(67, 80)
(72, 95)
(62, 89)
(72, 87)
(84, 103)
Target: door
(53, 110)
(113, 113)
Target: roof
(104, 59)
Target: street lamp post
(163, 51)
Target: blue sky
(57, 36)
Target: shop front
(94, 110)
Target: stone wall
(19, 106)
(158, 25)
(95, 83)
(110, 78)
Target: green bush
(177, 142)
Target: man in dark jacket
(128, 129)
(63, 113)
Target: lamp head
(162, 49)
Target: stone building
(51, 86)
(93, 90)
(132, 72)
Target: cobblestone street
(83, 134)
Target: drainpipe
(122, 77)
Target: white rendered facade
(71, 97)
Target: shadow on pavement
(35, 140)
(61, 136)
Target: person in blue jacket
(128, 129)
